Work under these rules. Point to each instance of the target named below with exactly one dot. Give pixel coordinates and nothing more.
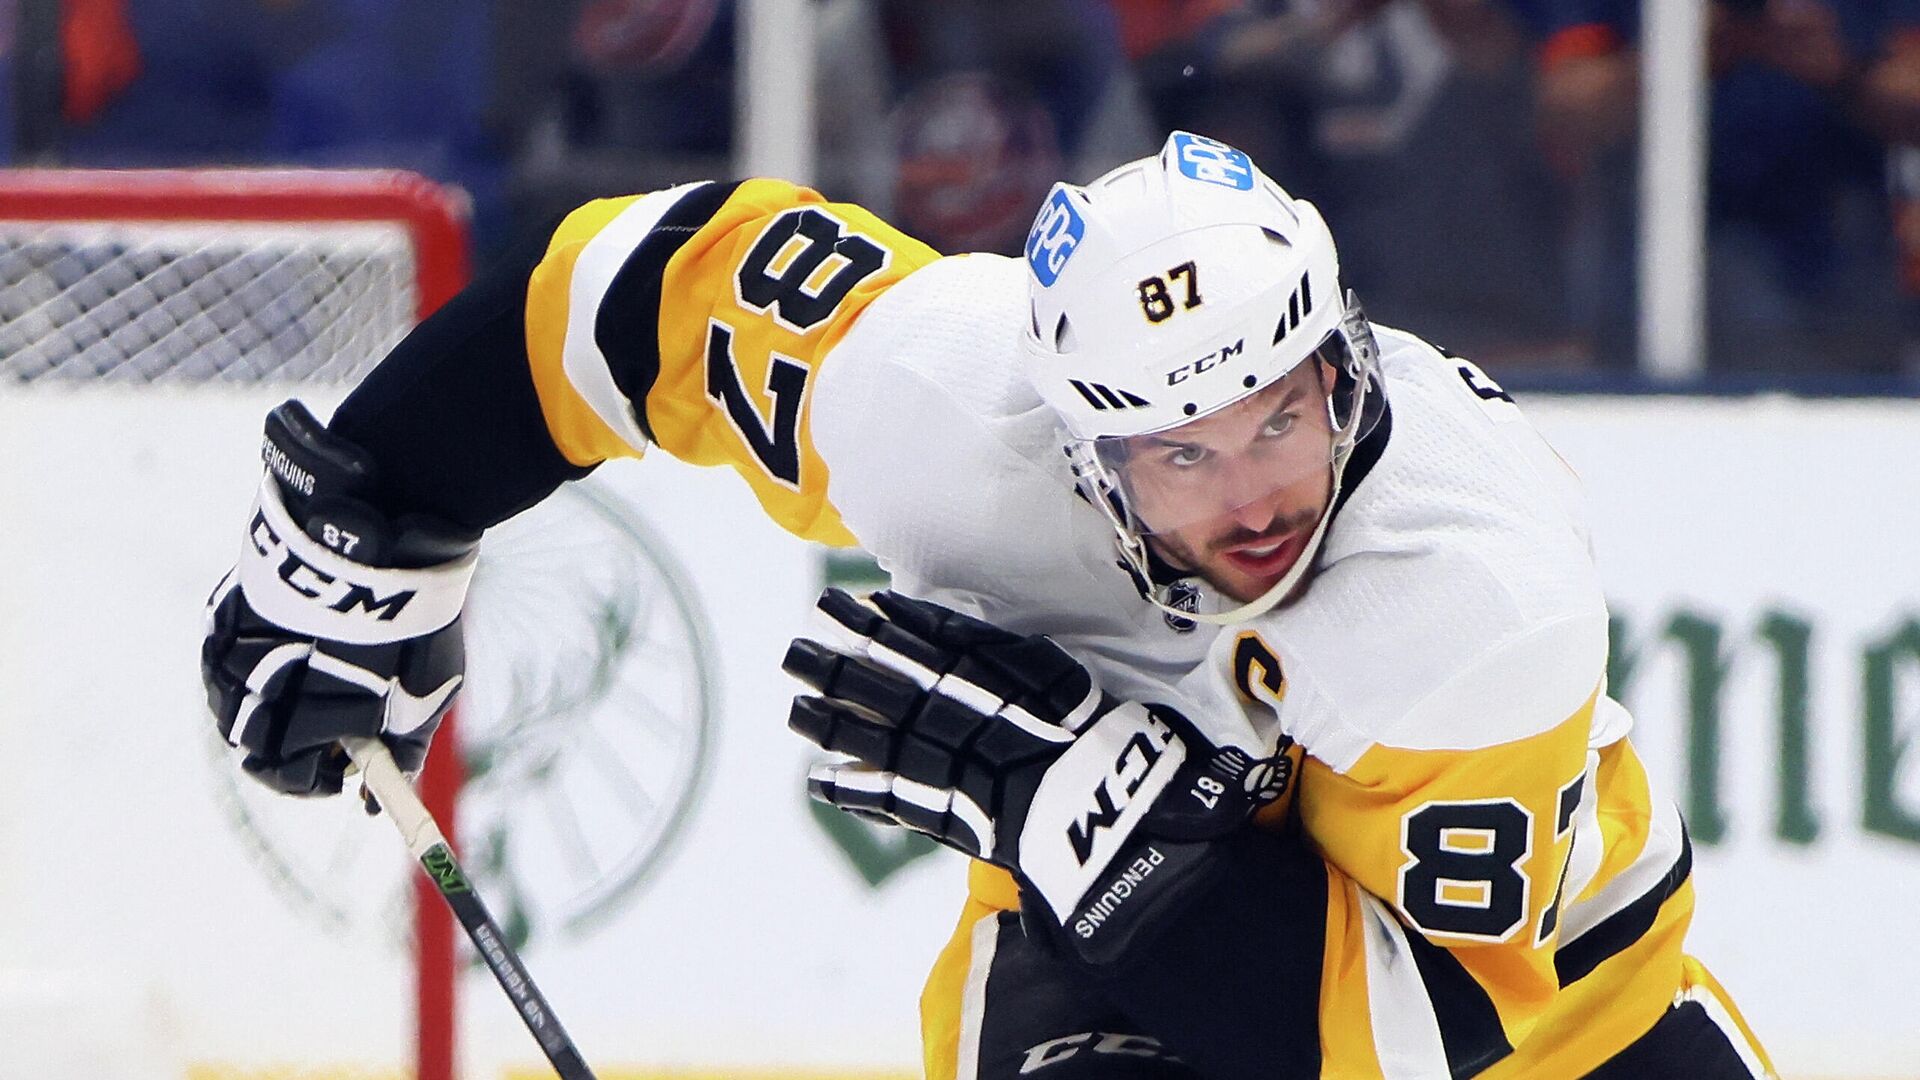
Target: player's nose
(1243, 481)
(1259, 514)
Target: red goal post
(184, 276)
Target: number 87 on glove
(1001, 746)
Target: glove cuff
(298, 583)
(1092, 799)
(1128, 907)
(327, 484)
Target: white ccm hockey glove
(1002, 747)
(336, 621)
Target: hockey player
(1479, 881)
(810, 346)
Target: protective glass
(1242, 458)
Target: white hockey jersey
(1507, 893)
(1507, 897)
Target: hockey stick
(425, 842)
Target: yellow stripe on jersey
(697, 318)
(1470, 847)
(944, 1001)
(955, 989)
(1626, 803)
(1700, 985)
(578, 431)
(1596, 1017)
(1346, 1014)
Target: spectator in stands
(1407, 122)
(1236, 70)
(661, 74)
(607, 97)
(986, 103)
(1062, 53)
(8, 101)
(1805, 96)
(975, 156)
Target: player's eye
(1277, 426)
(1186, 457)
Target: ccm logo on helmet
(318, 585)
(1211, 360)
(1056, 233)
(1212, 162)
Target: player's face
(1235, 496)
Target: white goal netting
(217, 276)
(166, 302)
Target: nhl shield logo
(1185, 596)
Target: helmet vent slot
(1280, 199)
(1063, 336)
(1299, 306)
(1103, 397)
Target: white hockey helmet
(1165, 292)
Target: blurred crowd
(1477, 158)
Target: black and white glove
(1002, 746)
(336, 621)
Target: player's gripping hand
(1002, 747)
(336, 620)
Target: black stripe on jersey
(1233, 989)
(1577, 958)
(628, 326)
(1039, 1015)
(1469, 1024)
(1552, 918)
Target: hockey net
(218, 275)
(197, 277)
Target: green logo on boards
(1784, 653)
(876, 852)
(853, 570)
(445, 872)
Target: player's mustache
(1275, 530)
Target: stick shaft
(426, 844)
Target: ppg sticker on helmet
(1056, 232)
(1212, 162)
